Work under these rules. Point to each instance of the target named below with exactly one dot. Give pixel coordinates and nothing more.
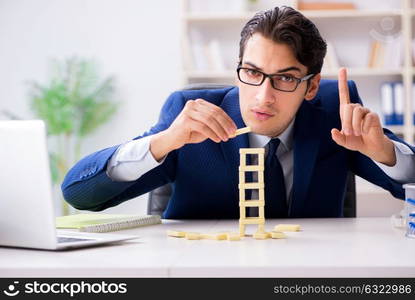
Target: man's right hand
(198, 121)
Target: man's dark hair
(287, 26)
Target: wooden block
(287, 227)
(262, 235)
(240, 131)
(242, 230)
(261, 159)
(261, 213)
(261, 195)
(251, 151)
(174, 233)
(192, 236)
(242, 195)
(250, 168)
(233, 236)
(242, 212)
(241, 177)
(251, 203)
(242, 160)
(261, 177)
(278, 235)
(252, 220)
(252, 185)
(214, 236)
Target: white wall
(133, 40)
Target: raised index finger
(343, 87)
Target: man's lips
(262, 114)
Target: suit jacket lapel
(230, 149)
(307, 135)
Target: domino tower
(258, 185)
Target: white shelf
(314, 14)
(211, 74)
(365, 72)
(219, 16)
(351, 72)
(351, 13)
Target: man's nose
(266, 93)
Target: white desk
(362, 247)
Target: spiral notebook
(105, 222)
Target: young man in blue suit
(319, 127)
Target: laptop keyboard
(62, 239)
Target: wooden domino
(240, 131)
(287, 227)
(174, 233)
(213, 236)
(262, 235)
(230, 236)
(233, 236)
(219, 236)
(192, 236)
(278, 235)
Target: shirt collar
(286, 138)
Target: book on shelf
(207, 55)
(392, 102)
(398, 100)
(375, 55)
(198, 49)
(214, 56)
(387, 54)
(302, 5)
(413, 52)
(393, 53)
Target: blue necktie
(275, 195)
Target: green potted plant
(74, 103)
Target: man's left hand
(361, 129)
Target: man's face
(266, 110)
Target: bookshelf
(358, 28)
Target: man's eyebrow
(292, 68)
(252, 65)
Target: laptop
(26, 205)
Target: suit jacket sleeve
(364, 167)
(88, 187)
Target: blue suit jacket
(205, 175)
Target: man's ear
(313, 87)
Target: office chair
(159, 197)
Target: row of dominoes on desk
(276, 233)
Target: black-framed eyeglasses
(281, 82)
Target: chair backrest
(159, 197)
(349, 202)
